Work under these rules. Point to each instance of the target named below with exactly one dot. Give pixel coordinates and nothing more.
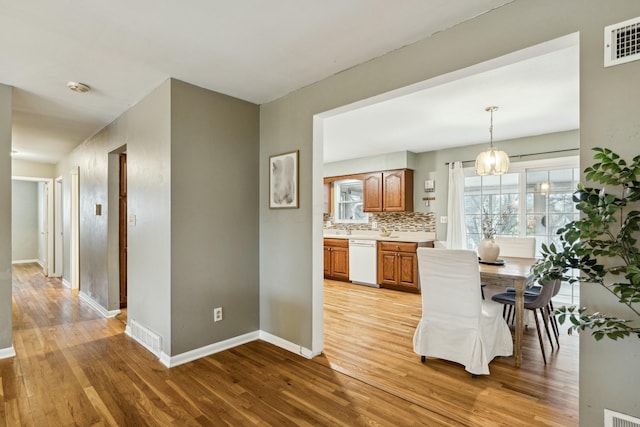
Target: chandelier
(492, 161)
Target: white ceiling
(255, 50)
(536, 90)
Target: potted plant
(602, 245)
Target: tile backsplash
(395, 221)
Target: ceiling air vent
(616, 419)
(622, 42)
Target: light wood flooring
(74, 367)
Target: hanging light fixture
(492, 161)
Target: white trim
(208, 350)
(8, 352)
(66, 283)
(24, 261)
(189, 356)
(287, 345)
(97, 307)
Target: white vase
(488, 250)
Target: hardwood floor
(74, 367)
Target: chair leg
(544, 356)
(546, 320)
(554, 319)
(554, 325)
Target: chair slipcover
(456, 324)
(517, 247)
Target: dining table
(514, 272)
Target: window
(348, 199)
(533, 199)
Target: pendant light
(492, 161)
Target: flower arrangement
(490, 226)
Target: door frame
(49, 214)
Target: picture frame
(284, 177)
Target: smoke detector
(78, 87)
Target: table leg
(519, 285)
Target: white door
(58, 234)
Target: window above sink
(348, 202)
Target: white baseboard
(189, 356)
(97, 307)
(287, 345)
(6, 353)
(66, 283)
(24, 261)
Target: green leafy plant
(602, 245)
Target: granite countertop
(396, 236)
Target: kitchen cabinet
(398, 265)
(336, 259)
(326, 202)
(389, 191)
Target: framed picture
(283, 180)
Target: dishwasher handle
(362, 243)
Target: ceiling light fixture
(492, 161)
(78, 87)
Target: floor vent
(616, 419)
(622, 42)
(150, 340)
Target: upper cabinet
(389, 191)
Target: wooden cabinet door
(372, 188)
(398, 191)
(326, 203)
(327, 261)
(387, 268)
(340, 263)
(393, 194)
(408, 270)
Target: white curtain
(456, 229)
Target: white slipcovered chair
(457, 325)
(517, 247)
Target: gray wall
(5, 217)
(214, 216)
(192, 171)
(145, 130)
(289, 239)
(24, 220)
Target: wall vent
(622, 42)
(149, 340)
(616, 419)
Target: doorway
(57, 228)
(122, 228)
(75, 230)
(34, 241)
(349, 131)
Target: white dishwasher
(363, 263)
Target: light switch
(132, 220)
(98, 209)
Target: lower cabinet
(398, 265)
(336, 259)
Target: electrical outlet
(374, 225)
(217, 314)
(444, 220)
